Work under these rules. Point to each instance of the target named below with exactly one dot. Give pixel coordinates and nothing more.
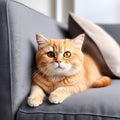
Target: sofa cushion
(98, 43)
(93, 104)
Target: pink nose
(58, 61)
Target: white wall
(99, 11)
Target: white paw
(56, 99)
(34, 101)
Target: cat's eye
(51, 54)
(67, 54)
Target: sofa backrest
(113, 30)
(19, 24)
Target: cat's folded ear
(79, 40)
(41, 40)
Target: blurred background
(98, 11)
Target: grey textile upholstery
(18, 25)
(24, 23)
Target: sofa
(18, 26)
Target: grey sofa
(18, 25)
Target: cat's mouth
(59, 67)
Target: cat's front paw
(34, 101)
(55, 98)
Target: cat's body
(63, 70)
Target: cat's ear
(41, 40)
(79, 40)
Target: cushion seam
(63, 113)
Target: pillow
(98, 43)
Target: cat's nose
(58, 61)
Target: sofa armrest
(5, 83)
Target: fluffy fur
(62, 70)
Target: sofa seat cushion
(93, 104)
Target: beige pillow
(99, 44)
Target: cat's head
(59, 57)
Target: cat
(62, 69)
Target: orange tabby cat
(63, 70)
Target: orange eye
(67, 54)
(51, 54)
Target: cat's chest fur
(55, 79)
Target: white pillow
(106, 46)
